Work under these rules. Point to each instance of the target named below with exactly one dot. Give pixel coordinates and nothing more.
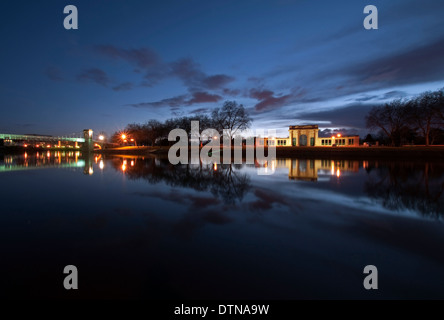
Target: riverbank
(359, 153)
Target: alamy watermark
(190, 148)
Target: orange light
(132, 139)
(338, 173)
(48, 146)
(123, 167)
(215, 167)
(132, 163)
(124, 140)
(339, 135)
(123, 136)
(26, 145)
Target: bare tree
(231, 119)
(391, 118)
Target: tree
(391, 118)
(424, 113)
(230, 119)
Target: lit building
(308, 136)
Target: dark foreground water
(142, 228)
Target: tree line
(403, 121)
(230, 119)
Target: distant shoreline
(362, 153)
(430, 153)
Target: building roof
(309, 126)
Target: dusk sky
(288, 62)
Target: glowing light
(215, 138)
(215, 167)
(48, 146)
(101, 165)
(338, 173)
(26, 155)
(339, 135)
(123, 136)
(90, 133)
(26, 145)
(124, 140)
(125, 162)
(101, 137)
(132, 163)
(90, 171)
(132, 140)
(48, 154)
(123, 167)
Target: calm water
(142, 228)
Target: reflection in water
(414, 186)
(223, 181)
(55, 159)
(407, 185)
(144, 228)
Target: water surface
(143, 228)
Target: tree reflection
(414, 186)
(224, 181)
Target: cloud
(267, 100)
(53, 73)
(348, 116)
(171, 102)
(142, 57)
(124, 86)
(178, 101)
(420, 64)
(148, 62)
(231, 92)
(95, 75)
(217, 81)
(201, 97)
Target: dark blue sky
(288, 62)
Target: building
(308, 136)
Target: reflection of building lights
(101, 165)
(96, 159)
(125, 162)
(215, 167)
(332, 168)
(338, 173)
(48, 154)
(90, 171)
(26, 155)
(132, 163)
(123, 167)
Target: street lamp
(123, 136)
(101, 137)
(339, 135)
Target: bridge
(88, 144)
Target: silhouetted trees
(403, 120)
(231, 116)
